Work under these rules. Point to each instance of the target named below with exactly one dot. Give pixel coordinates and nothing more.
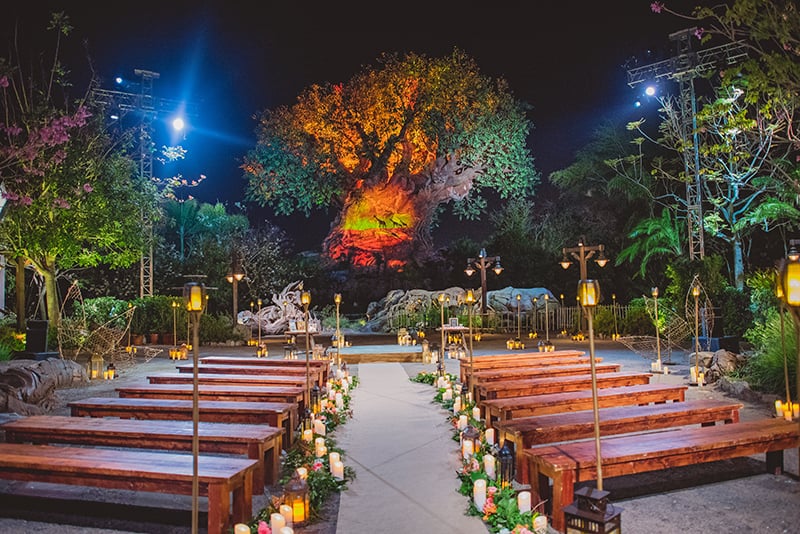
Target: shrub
(637, 322)
(217, 329)
(772, 342)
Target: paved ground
(724, 497)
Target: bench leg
(218, 508)
(775, 462)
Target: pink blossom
(88, 187)
(61, 203)
(317, 465)
(263, 528)
(656, 7)
(3, 81)
(699, 33)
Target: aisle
(400, 445)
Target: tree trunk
(19, 266)
(738, 264)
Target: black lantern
(472, 435)
(315, 399)
(296, 496)
(505, 457)
(592, 513)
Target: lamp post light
(235, 276)
(519, 317)
(175, 306)
(440, 363)
(483, 262)
(258, 320)
(583, 253)
(696, 295)
(654, 292)
(337, 298)
(789, 291)
(469, 299)
(194, 296)
(614, 311)
(546, 320)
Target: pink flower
(88, 187)
(699, 33)
(656, 7)
(3, 81)
(491, 490)
(317, 465)
(263, 528)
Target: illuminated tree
(390, 149)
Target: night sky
(234, 59)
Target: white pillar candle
(285, 530)
(693, 375)
(241, 528)
(337, 470)
(333, 457)
(440, 382)
(469, 397)
(321, 451)
(448, 394)
(462, 422)
(345, 387)
(319, 442)
(339, 400)
(467, 448)
(787, 413)
(540, 523)
(489, 466)
(479, 493)
(476, 413)
(302, 472)
(319, 427)
(457, 389)
(779, 408)
(488, 435)
(308, 435)
(524, 501)
(796, 410)
(457, 405)
(286, 512)
(276, 522)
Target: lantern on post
(440, 363)
(194, 296)
(789, 293)
(505, 457)
(305, 300)
(469, 299)
(592, 513)
(658, 367)
(296, 496)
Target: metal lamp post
(195, 298)
(546, 319)
(583, 253)
(789, 279)
(519, 317)
(614, 310)
(658, 368)
(174, 325)
(440, 363)
(258, 320)
(337, 298)
(589, 294)
(305, 300)
(234, 276)
(696, 295)
(482, 263)
(469, 299)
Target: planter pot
(167, 339)
(153, 339)
(137, 339)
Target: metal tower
(148, 108)
(683, 68)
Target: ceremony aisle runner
(404, 457)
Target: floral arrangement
(302, 456)
(501, 509)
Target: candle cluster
(788, 410)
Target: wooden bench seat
(557, 384)
(258, 442)
(518, 373)
(221, 392)
(511, 408)
(226, 481)
(242, 380)
(526, 432)
(521, 359)
(279, 414)
(322, 365)
(315, 375)
(568, 463)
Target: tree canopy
(389, 149)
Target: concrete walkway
(400, 444)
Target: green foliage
(10, 339)
(762, 294)
(737, 316)
(637, 322)
(656, 238)
(154, 314)
(99, 311)
(774, 342)
(603, 321)
(217, 329)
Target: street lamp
(546, 321)
(337, 298)
(614, 310)
(483, 262)
(654, 292)
(258, 320)
(235, 276)
(470, 301)
(194, 295)
(583, 253)
(519, 318)
(696, 295)
(789, 291)
(440, 363)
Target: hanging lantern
(505, 458)
(296, 496)
(315, 399)
(592, 513)
(96, 366)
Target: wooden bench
(521, 359)
(241, 380)
(226, 481)
(504, 409)
(279, 414)
(221, 392)
(314, 375)
(526, 432)
(322, 365)
(556, 384)
(568, 463)
(258, 442)
(519, 373)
